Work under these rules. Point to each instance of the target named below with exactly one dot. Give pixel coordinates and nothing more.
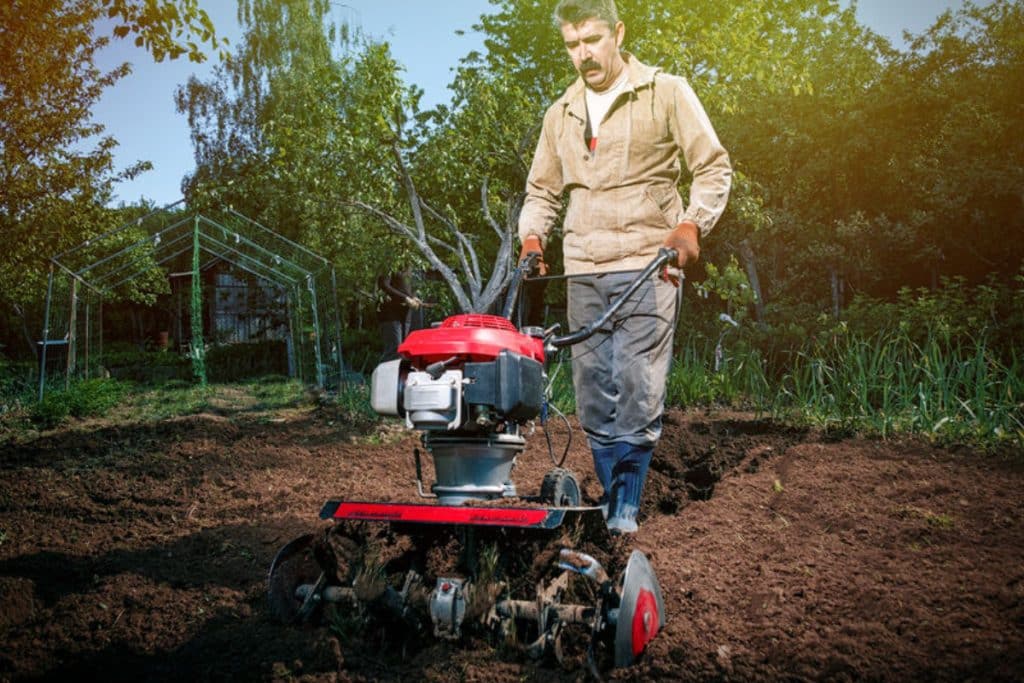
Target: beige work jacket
(623, 197)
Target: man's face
(593, 46)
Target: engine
(469, 385)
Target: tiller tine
(633, 610)
(295, 581)
(629, 613)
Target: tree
(896, 167)
(271, 137)
(52, 192)
(311, 130)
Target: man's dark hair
(576, 11)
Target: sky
(139, 110)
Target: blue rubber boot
(604, 461)
(628, 477)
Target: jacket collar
(640, 76)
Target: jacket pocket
(662, 205)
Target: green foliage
(955, 313)
(288, 131)
(83, 398)
(730, 285)
(53, 193)
(869, 176)
(352, 403)
(165, 29)
(56, 165)
(942, 363)
(693, 380)
(888, 383)
(16, 387)
(170, 399)
(362, 348)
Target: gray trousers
(619, 374)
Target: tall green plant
(890, 383)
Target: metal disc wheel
(641, 610)
(560, 488)
(294, 582)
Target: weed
(932, 519)
(84, 398)
(940, 521)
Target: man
(613, 142)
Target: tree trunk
(747, 254)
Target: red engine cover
(473, 337)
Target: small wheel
(560, 488)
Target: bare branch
(486, 204)
(423, 244)
(441, 243)
(410, 190)
(393, 223)
(503, 260)
(472, 268)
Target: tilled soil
(140, 552)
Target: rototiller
(474, 385)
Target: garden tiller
(478, 558)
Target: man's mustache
(589, 65)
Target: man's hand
(413, 302)
(531, 245)
(685, 239)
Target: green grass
(183, 398)
(562, 395)
(740, 380)
(889, 383)
(169, 400)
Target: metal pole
(101, 329)
(280, 237)
(311, 285)
(337, 327)
(198, 360)
(290, 347)
(69, 362)
(297, 333)
(240, 239)
(88, 338)
(46, 333)
(130, 248)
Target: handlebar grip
(529, 261)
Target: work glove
(413, 302)
(685, 239)
(531, 245)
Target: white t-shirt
(598, 104)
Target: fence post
(46, 333)
(198, 353)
